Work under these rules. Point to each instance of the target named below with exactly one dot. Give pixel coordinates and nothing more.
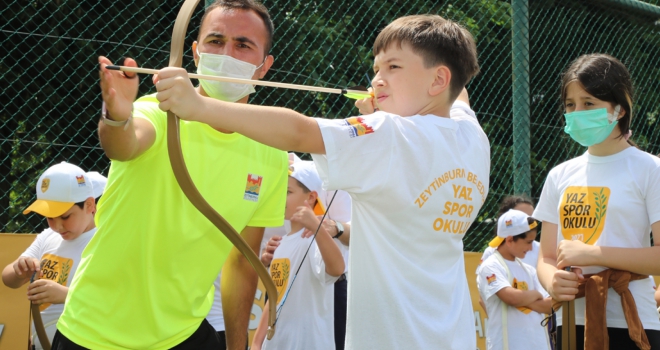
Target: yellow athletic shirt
(145, 280)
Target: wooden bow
(39, 327)
(183, 177)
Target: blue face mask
(592, 126)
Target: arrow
(354, 92)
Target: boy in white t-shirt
(416, 176)
(305, 270)
(66, 197)
(514, 298)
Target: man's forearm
(117, 143)
(238, 286)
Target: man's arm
(119, 90)
(238, 285)
(277, 127)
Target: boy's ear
(90, 205)
(311, 199)
(441, 81)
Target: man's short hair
(249, 5)
(437, 41)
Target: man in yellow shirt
(145, 280)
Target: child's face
(74, 221)
(401, 84)
(578, 99)
(520, 247)
(295, 197)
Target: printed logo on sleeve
(490, 279)
(252, 187)
(55, 268)
(582, 213)
(358, 126)
(279, 271)
(521, 285)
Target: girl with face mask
(598, 211)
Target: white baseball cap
(98, 183)
(305, 172)
(61, 186)
(511, 223)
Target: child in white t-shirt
(66, 197)
(599, 210)
(417, 171)
(305, 270)
(514, 298)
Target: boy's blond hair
(439, 42)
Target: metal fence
(50, 102)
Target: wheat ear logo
(583, 212)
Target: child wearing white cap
(305, 308)
(66, 196)
(515, 300)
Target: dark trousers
(619, 338)
(204, 338)
(341, 287)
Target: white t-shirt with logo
(340, 210)
(417, 184)
(531, 258)
(607, 201)
(524, 330)
(59, 261)
(306, 309)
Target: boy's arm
(262, 328)
(277, 127)
(542, 306)
(119, 92)
(332, 257)
(20, 271)
(238, 285)
(516, 297)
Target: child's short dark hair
(437, 41)
(510, 202)
(248, 5)
(524, 234)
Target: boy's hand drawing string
(279, 309)
(353, 92)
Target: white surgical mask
(225, 66)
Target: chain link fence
(51, 99)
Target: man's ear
(194, 50)
(267, 64)
(441, 80)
